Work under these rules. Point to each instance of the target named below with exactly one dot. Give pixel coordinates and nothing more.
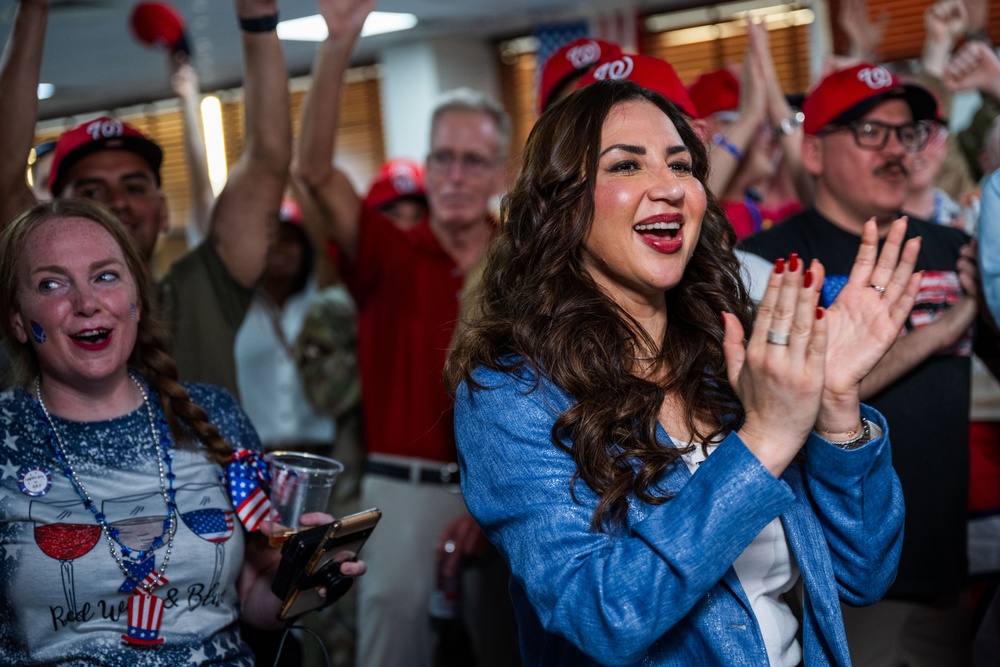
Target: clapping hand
(866, 318)
(779, 375)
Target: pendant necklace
(161, 442)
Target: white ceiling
(95, 63)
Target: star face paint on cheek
(37, 332)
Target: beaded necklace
(164, 459)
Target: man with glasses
(407, 285)
(862, 130)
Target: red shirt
(407, 290)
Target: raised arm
(247, 208)
(184, 81)
(780, 114)
(945, 22)
(974, 66)
(864, 34)
(20, 72)
(728, 148)
(330, 189)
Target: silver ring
(776, 337)
(877, 288)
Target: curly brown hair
(149, 356)
(540, 308)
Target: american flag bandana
(247, 478)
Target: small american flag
(244, 474)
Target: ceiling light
(45, 91)
(313, 28)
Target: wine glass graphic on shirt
(207, 511)
(138, 528)
(64, 531)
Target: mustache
(892, 164)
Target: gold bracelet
(855, 442)
(853, 433)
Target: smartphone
(311, 558)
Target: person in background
(946, 24)
(407, 287)
(975, 66)
(567, 64)
(924, 199)
(271, 391)
(614, 422)
(863, 127)
(398, 193)
(102, 447)
(755, 140)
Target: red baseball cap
(157, 24)
(95, 135)
(397, 179)
(715, 91)
(649, 72)
(572, 58)
(848, 94)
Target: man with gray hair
(407, 286)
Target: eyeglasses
(471, 163)
(874, 135)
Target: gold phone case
(342, 542)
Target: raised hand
(864, 34)
(779, 375)
(345, 17)
(867, 315)
(184, 79)
(753, 90)
(946, 21)
(974, 67)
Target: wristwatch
(790, 124)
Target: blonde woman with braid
(120, 539)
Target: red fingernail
(793, 262)
(779, 266)
(819, 313)
(808, 279)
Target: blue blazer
(662, 590)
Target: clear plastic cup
(300, 483)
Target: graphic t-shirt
(63, 598)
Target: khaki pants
(394, 628)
